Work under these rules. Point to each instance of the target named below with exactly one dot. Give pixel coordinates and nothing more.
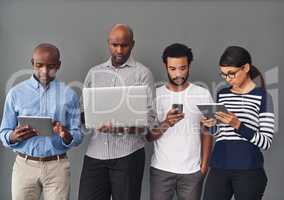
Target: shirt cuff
(245, 131)
(67, 145)
(8, 141)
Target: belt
(43, 159)
(129, 130)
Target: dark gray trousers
(163, 185)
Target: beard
(120, 60)
(178, 81)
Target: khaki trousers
(31, 178)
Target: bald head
(122, 29)
(120, 42)
(46, 48)
(46, 62)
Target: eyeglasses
(231, 75)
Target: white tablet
(43, 125)
(122, 106)
(209, 110)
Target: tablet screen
(209, 110)
(43, 125)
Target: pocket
(200, 175)
(15, 165)
(63, 167)
(67, 163)
(153, 171)
(66, 166)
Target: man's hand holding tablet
(41, 124)
(22, 133)
(30, 126)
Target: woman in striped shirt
(237, 162)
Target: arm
(172, 118)
(263, 135)
(206, 148)
(11, 135)
(206, 138)
(157, 132)
(70, 134)
(209, 125)
(9, 121)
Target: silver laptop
(122, 106)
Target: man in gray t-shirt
(114, 163)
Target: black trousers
(119, 178)
(243, 184)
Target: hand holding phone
(178, 107)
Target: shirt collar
(129, 63)
(36, 84)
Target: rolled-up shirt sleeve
(9, 121)
(148, 79)
(73, 121)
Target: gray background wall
(79, 28)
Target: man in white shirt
(181, 146)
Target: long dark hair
(238, 56)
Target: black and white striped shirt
(240, 148)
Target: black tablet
(209, 110)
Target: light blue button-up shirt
(30, 98)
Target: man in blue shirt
(41, 165)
